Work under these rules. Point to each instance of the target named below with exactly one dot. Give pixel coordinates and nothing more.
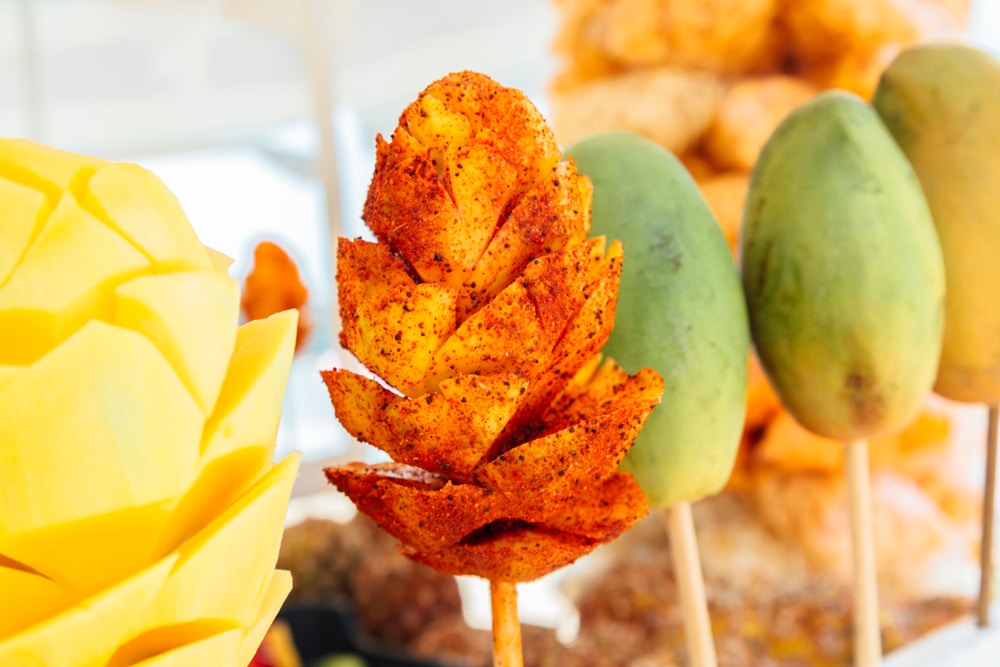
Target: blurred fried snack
(715, 35)
(923, 502)
(847, 43)
(763, 403)
(923, 452)
(809, 510)
(768, 605)
(639, 65)
(724, 193)
(855, 72)
(670, 105)
(748, 113)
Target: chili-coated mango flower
(484, 306)
(140, 512)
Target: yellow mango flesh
(46, 169)
(273, 598)
(106, 548)
(132, 530)
(66, 277)
(191, 317)
(87, 634)
(139, 206)
(25, 210)
(37, 598)
(102, 411)
(401, 331)
(249, 404)
(163, 643)
(219, 261)
(244, 541)
(220, 482)
(221, 650)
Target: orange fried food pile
(711, 80)
(273, 285)
(484, 306)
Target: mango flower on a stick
(483, 306)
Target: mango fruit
(680, 311)
(140, 511)
(843, 271)
(941, 102)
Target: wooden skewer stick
(506, 625)
(867, 628)
(691, 586)
(986, 548)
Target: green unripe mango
(680, 311)
(942, 104)
(843, 271)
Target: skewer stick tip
(867, 626)
(691, 586)
(506, 625)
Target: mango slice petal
(584, 337)
(221, 650)
(43, 168)
(456, 426)
(100, 424)
(554, 214)
(506, 333)
(412, 196)
(249, 404)
(65, 278)
(515, 555)
(137, 205)
(555, 466)
(604, 511)
(159, 643)
(87, 634)
(395, 334)
(37, 598)
(274, 597)
(105, 548)
(191, 317)
(24, 212)
(222, 569)
(220, 482)
(425, 515)
(220, 261)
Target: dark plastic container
(325, 630)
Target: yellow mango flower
(140, 511)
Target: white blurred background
(221, 99)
